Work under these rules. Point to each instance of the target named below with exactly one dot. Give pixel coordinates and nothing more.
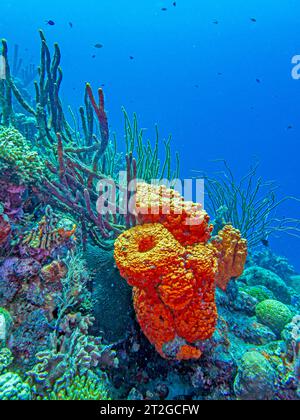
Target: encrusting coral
(174, 269)
(18, 156)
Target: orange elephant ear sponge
(187, 221)
(231, 253)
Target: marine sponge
(17, 155)
(274, 315)
(174, 269)
(187, 221)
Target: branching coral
(174, 269)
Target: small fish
(197, 86)
(253, 20)
(258, 81)
(265, 242)
(290, 127)
(131, 57)
(164, 9)
(71, 25)
(50, 22)
(93, 56)
(98, 46)
(220, 74)
(174, 3)
(216, 22)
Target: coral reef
(67, 326)
(255, 379)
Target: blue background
(174, 81)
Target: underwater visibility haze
(149, 200)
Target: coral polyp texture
(174, 268)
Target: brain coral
(274, 315)
(256, 378)
(174, 269)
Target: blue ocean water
(223, 90)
